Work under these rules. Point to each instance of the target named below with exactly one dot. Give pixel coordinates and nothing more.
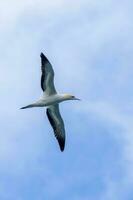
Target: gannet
(51, 99)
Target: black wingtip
(62, 145)
(42, 55)
(62, 149)
(43, 58)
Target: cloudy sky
(89, 43)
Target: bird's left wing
(57, 124)
(47, 78)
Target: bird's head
(70, 97)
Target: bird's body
(51, 100)
(46, 100)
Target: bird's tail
(29, 106)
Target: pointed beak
(77, 99)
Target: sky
(90, 46)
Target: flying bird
(51, 99)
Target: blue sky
(90, 46)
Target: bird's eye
(73, 96)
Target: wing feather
(57, 124)
(47, 78)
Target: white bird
(51, 100)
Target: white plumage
(51, 100)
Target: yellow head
(70, 97)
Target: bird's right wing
(57, 124)
(47, 78)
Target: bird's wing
(47, 78)
(57, 124)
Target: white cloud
(108, 114)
